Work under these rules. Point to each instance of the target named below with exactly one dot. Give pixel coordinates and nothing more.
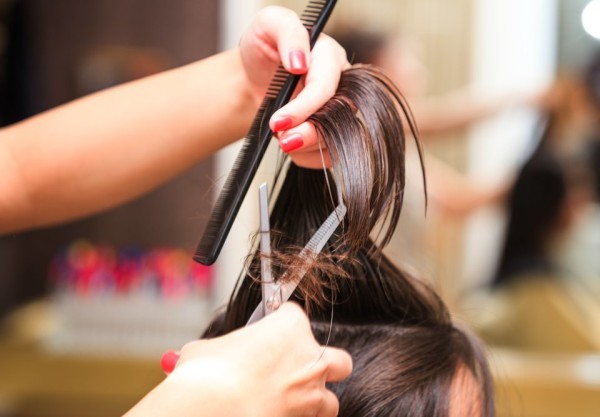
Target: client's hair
(407, 352)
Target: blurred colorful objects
(91, 269)
(129, 301)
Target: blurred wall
(574, 44)
(521, 59)
(443, 27)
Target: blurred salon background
(506, 95)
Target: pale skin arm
(455, 193)
(110, 147)
(104, 149)
(458, 110)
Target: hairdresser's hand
(271, 368)
(277, 35)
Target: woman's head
(412, 370)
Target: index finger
(327, 63)
(282, 27)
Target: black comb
(257, 140)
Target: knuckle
(334, 49)
(272, 11)
(188, 347)
(335, 407)
(293, 316)
(329, 89)
(191, 347)
(321, 368)
(284, 15)
(278, 17)
(316, 400)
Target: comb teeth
(279, 79)
(311, 12)
(257, 126)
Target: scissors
(273, 293)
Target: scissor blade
(312, 249)
(267, 286)
(309, 252)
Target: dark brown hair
(406, 349)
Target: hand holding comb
(255, 144)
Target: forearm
(456, 193)
(212, 398)
(104, 149)
(457, 110)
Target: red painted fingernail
(282, 123)
(169, 360)
(292, 142)
(297, 60)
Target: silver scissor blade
(312, 249)
(267, 285)
(310, 252)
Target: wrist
(223, 103)
(247, 100)
(214, 383)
